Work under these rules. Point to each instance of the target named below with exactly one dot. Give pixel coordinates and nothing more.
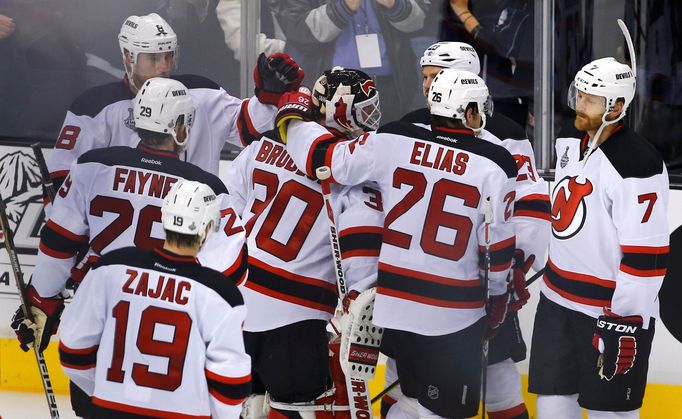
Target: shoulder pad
(92, 101)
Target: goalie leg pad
(360, 338)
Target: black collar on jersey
(146, 149)
(585, 142)
(167, 254)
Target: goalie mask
(457, 55)
(149, 34)
(189, 207)
(348, 100)
(452, 91)
(606, 78)
(161, 105)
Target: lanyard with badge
(367, 44)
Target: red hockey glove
(274, 75)
(293, 106)
(517, 287)
(46, 313)
(616, 340)
(497, 311)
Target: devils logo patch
(569, 210)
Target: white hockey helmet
(348, 99)
(189, 207)
(161, 104)
(607, 78)
(150, 34)
(453, 90)
(458, 55)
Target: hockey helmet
(606, 78)
(161, 104)
(348, 99)
(453, 90)
(189, 207)
(145, 34)
(459, 55)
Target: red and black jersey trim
(247, 132)
(286, 286)
(240, 268)
(320, 152)
(501, 254)
(60, 243)
(228, 390)
(78, 359)
(109, 409)
(644, 261)
(429, 289)
(361, 241)
(580, 288)
(534, 205)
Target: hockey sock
(564, 406)
(598, 414)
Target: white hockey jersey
(609, 241)
(103, 117)
(112, 199)
(435, 185)
(531, 209)
(291, 269)
(154, 333)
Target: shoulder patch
(192, 81)
(631, 155)
(504, 127)
(92, 101)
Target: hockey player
(103, 116)
(430, 297)
(112, 199)
(152, 333)
(504, 399)
(607, 257)
(291, 293)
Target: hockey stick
(358, 390)
(21, 286)
(385, 391)
(45, 178)
(488, 218)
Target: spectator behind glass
(325, 33)
(229, 16)
(502, 32)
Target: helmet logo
(131, 24)
(161, 30)
(367, 87)
(192, 226)
(626, 75)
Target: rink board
(18, 372)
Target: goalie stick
(358, 390)
(21, 287)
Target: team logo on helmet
(161, 30)
(569, 210)
(367, 87)
(340, 114)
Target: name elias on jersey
(569, 210)
(276, 155)
(161, 288)
(142, 182)
(443, 158)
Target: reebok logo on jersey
(569, 210)
(150, 161)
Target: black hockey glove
(293, 106)
(274, 75)
(46, 313)
(616, 340)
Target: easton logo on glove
(616, 340)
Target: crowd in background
(52, 54)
